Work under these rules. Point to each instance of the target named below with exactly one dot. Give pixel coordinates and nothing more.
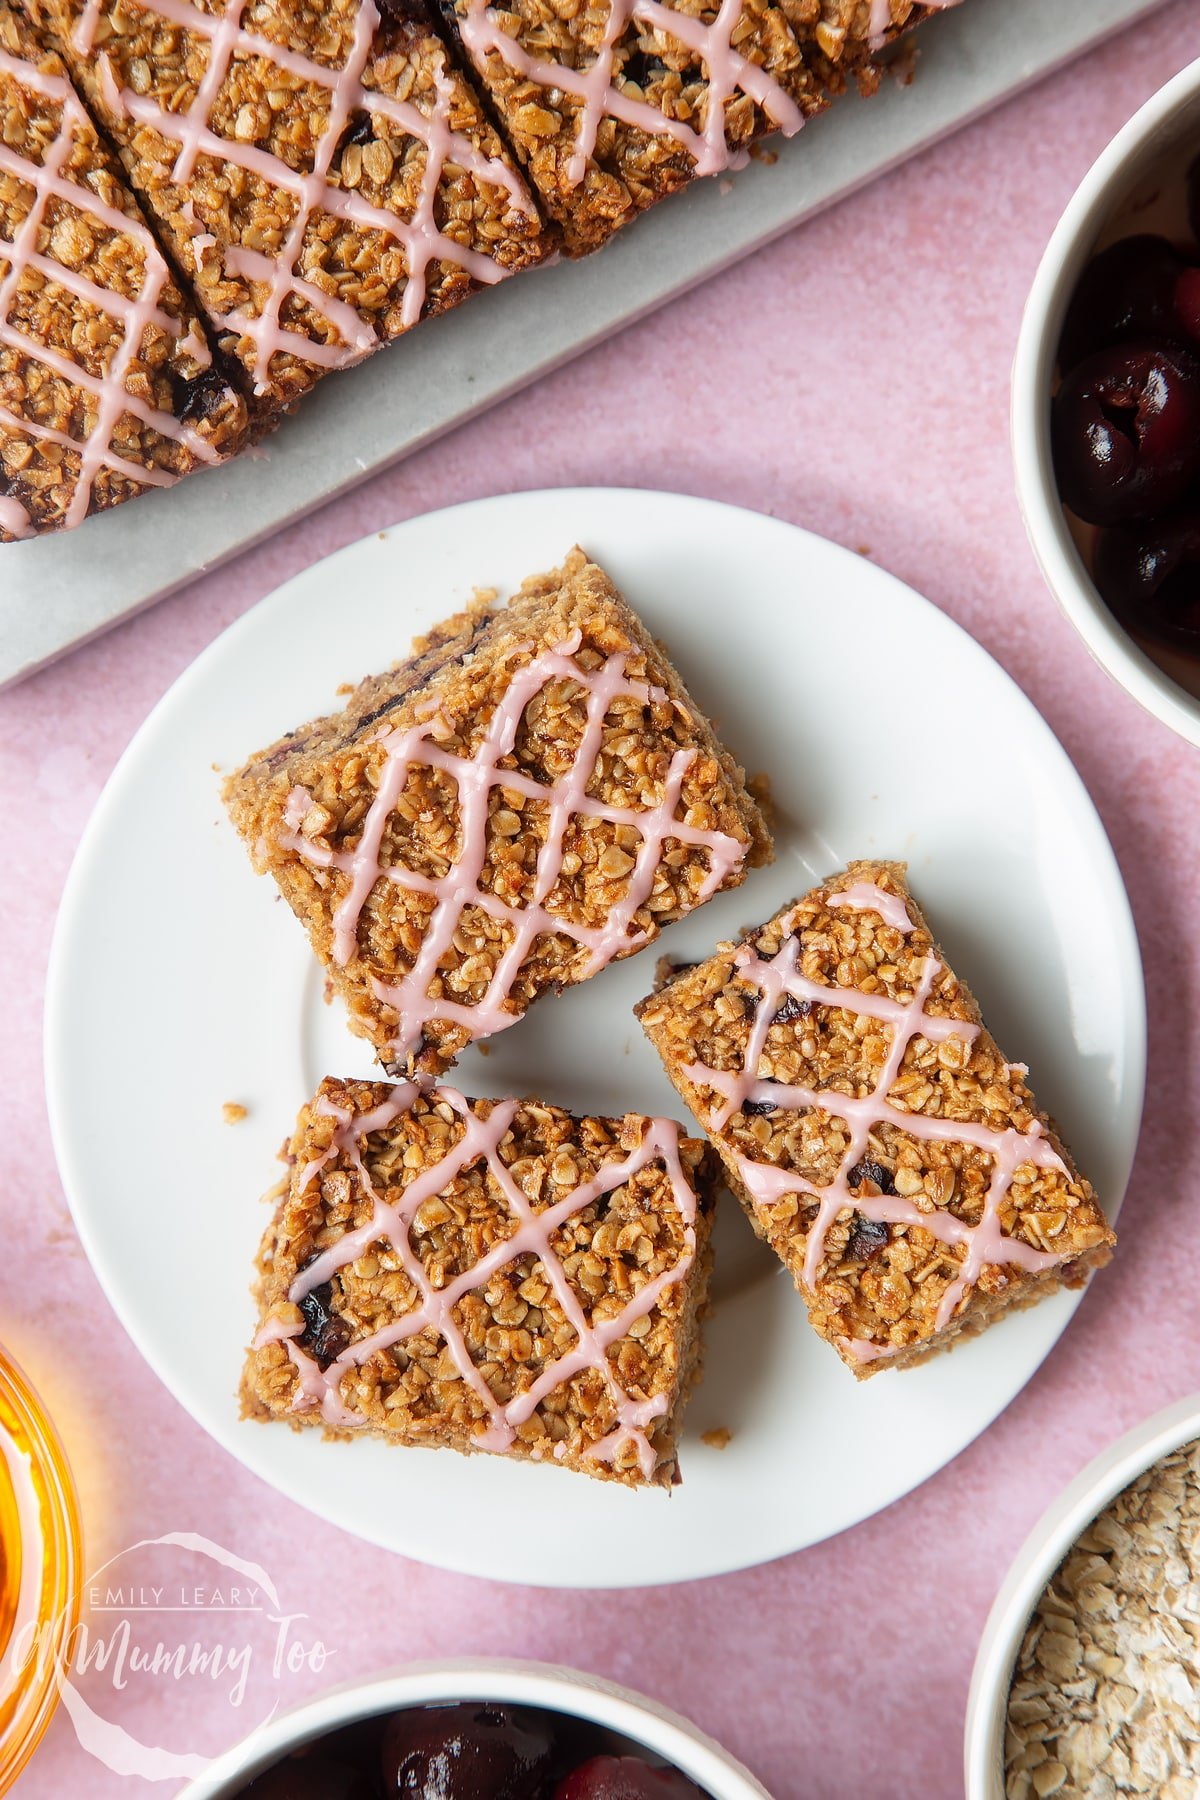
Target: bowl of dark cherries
(1106, 407)
(478, 1731)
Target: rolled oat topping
(614, 104)
(322, 171)
(489, 1274)
(710, 43)
(880, 1143)
(99, 353)
(478, 779)
(884, 16)
(531, 796)
(1105, 1697)
(780, 980)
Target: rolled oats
(497, 818)
(689, 91)
(1105, 1696)
(914, 1197)
(107, 385)
(459, 1298)
(329, 178)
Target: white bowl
(1168, 119)
(1036, 1561)
(632, 1716)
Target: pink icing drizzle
(422, 240)
(199, 239)
(192, 344)
(108, 390)
(727, 71)
(865, 1350)
(13, 517)
(984, 1243)
(475, 777)
(864, 896)
(481, 1139)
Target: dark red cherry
(1125, 430)
(1187, 303)
(624, 1778)
(1150, 578)
(325, 1333)
(1127, 291)
(467, 1752)
(1193, 195)
(875, 1172)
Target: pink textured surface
(888, 328)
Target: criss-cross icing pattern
(313, 192)
(390, 1220)
(475, 777)
(727, 73)
(51, 181)
(780, 978)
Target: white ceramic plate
(179, 981)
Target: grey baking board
(62, 590)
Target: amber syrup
(40, 1561)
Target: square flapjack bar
(107, 385)
(879, 1141)
(324, 175)
(487, 1275)
(611, 106)
(531, 796)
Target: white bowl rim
(1037, 342)
(553, 1686)
(1035, 1562)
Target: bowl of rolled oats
(1087, 1681)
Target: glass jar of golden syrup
(40, 1568)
